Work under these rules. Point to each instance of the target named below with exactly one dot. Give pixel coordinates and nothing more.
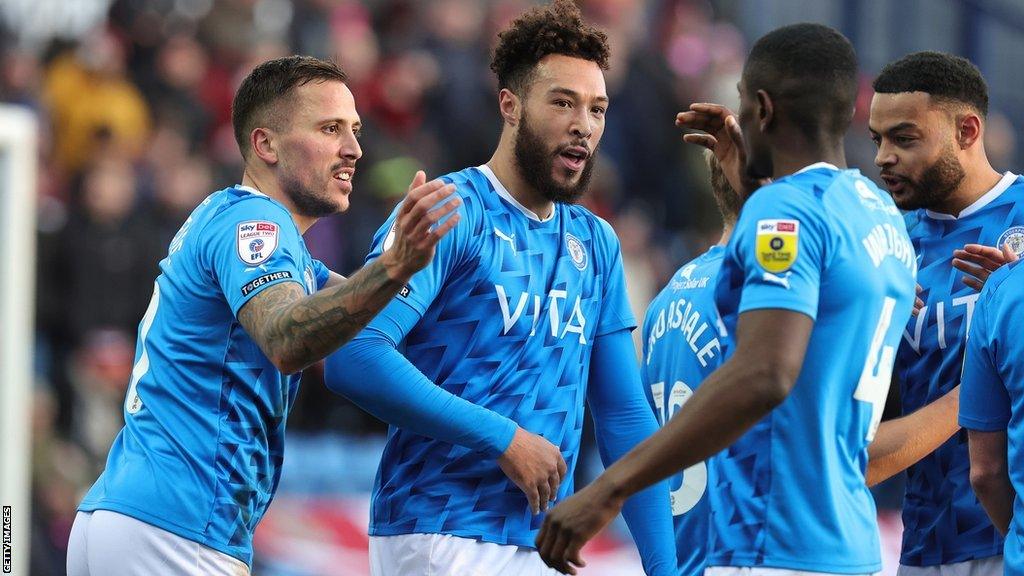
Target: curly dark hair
(944, 77)
(271, 82)
(554, 29)
(810, 70)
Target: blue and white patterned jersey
(200, 453)
(510, 307)
(684, 342)
(992, 395)
(943, 522)
(791, 494)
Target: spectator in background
(89, 97)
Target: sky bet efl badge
(256, 241)
(777, 244)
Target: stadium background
(133, 99)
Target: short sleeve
(984, 400)
(781, 246)
(321, 273)
(250, 246)
(426, 284)
(616, 313)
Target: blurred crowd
(135, 120)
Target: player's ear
(263, 145)
(510, 107)
(765, 110)
(968, 130)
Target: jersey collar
(996, 191)
(817, 165)
(503, 192)
(249, 189)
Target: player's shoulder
(242, 201)
(470, 183)
(1016, 187)
(582, 221)
(793, 196)
(475, 190)
(1005, 281)
(247, 213)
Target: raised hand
(722, 135)
(416, 230)
(536, 466)
(572, 523)
(979, 262)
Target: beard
(536, 163)
(936, 184)
(309, 201)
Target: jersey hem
(969, 555)
(177, 530)
(769, 303)
(982, 425)
(527, 542)
(741, 561)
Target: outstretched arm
(295, 330)
(374, 375)
(622, 419)
(902, 442)
(990, 476)
(758, 377)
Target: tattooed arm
(295, 330)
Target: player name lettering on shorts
(681, 315)
(885, 240)
(576, 323)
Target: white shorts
(105, 543)
(991, 566)
(447, 555)
(761, 571)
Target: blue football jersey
(510, 307)
(790, 492)
(684, 341)
(200, 453)
(992, 394)
(942, 519)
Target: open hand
(416, 231)
(979, 262)
(722, 135)
(536, 466)
(572, 523)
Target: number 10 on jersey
(695, 478)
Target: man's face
(759, 157)
(317, 147)
(917, 149)
(560, 126)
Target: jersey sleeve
(984, 400)
(616, 313)
(781, 245)
(321, 273)
(426, 284)
(249, 247)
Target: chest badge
(1015, 238)
(577, 252)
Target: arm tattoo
(295, 330)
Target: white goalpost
(18, 139)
